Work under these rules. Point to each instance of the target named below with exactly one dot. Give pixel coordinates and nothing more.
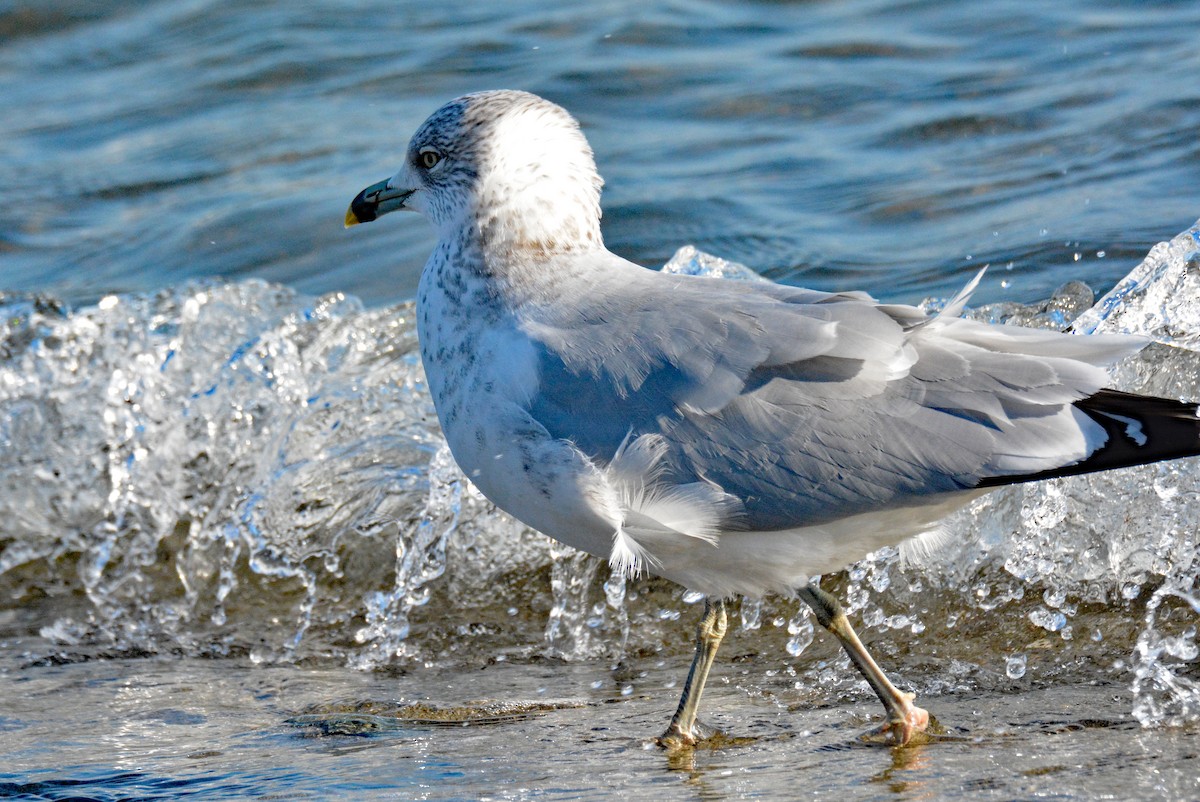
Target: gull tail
(1140, 429)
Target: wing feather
(805, 406)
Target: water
(873, 143)
(221, 730)
(195, 582)
(234, 551)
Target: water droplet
(1054, 597)
(801, 630)
(751, 614)
(1014, 666)
(1051, 621)
(614, 591)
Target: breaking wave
(236, 469)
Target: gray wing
(809, 406)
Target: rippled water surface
(874, 143)
(226, 730)
(236, 560)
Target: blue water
(219, 502)
(893, 146)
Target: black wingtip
(1141, 429)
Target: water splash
(207, 461)
(420, 560)
(238, 469)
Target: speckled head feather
(512, 168)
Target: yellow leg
(684, 730)
(905, 719)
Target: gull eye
(428, 158)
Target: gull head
(507, 167)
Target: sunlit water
(236, 559)
(871, 143)
(149, 729)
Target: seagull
(738, 438)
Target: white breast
(482, 372)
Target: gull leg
(684, 730)
(905, 719)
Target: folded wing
(806, 406)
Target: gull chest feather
(482, 373)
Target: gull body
(622, 499)
(734, 437)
